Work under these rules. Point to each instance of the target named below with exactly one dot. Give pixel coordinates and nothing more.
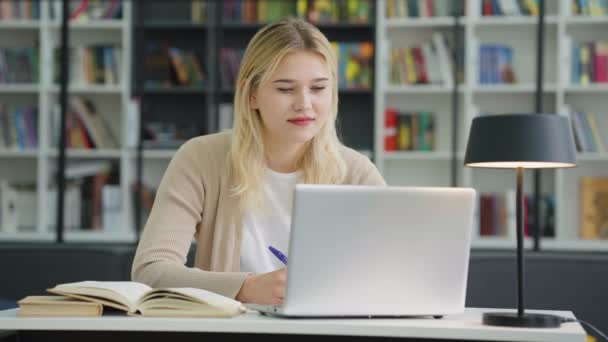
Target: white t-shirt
(269, 226)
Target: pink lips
(303, 121)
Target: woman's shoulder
(352, 156)
(209, 148)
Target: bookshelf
(30, 172)
(432, 168)
(200, 105)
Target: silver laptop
(365, 251)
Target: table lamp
(520, 141)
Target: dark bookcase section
(229, 26)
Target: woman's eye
(285, 90)
(317, 88)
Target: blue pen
(278, 254)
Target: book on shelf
(509, 7)
(314, 11)
(57, 306)
(166, 66)
(587, 134)
(590, 7)
(18, 207)
(198, 11)
(86, 127)
(18, 127)
(355, 67)
(419, 8)
(496, 64)
(93, 64)
(426, 63)
(86, 10)
(19, 65)
(409, 131)
(593, 216)
(137, 299)
(589, 62)
(19, 9)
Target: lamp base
(528, 320)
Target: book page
(189, 299)
(126, 293)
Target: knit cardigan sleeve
(177, 211)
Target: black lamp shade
(521, 140)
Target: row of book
(593, 207)
(19, 65)
(167, 66)
(590, 62)
(509, 7)
(86, 10)
(587, 134)
(409, 131)
(419, 8)
(427, 63)
(93, 200)
(590, 7)
(496, 64)
(355, 64)
(18, 127)
(19, 9)
(315, 11)
(92, 64)
(496, 213)
(86, 127)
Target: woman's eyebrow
(293, 81)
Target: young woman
(232, 191)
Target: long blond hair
(321, 161)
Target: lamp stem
(520, 241)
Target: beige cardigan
(193, 201)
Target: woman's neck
(283, 158)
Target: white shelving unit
(415, 168)
(38, 166)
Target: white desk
(465, 327)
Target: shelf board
(88, 153)
(513, 20)
(418, 89)
(176, 90)
(591, 88)
(574, 245)
(91, 89)
(512, 88)
(14, 153)
(592, 156)
(108, 24)
(27, 236)
(23, 88)
(255, 26)
(498, 242)
(419, 22)
(99, 236)
(20, 24)
(174, 25)
(579, 20)
(417, 155)
(157, 153)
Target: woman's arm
(162, 251)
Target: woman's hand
(266, 288)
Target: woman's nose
(303, 101)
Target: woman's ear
(253, 101)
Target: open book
(140, 299)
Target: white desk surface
(466, 326)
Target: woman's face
(296, 100)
